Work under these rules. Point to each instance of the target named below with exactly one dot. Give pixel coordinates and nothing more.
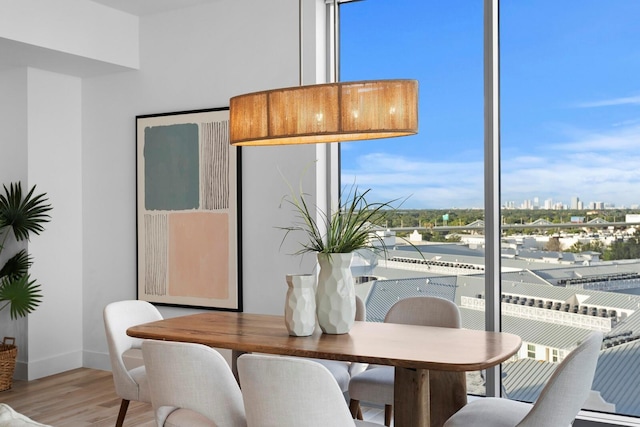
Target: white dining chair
(130, 383)
(191, 386)
(558, 404)
(281, 391)
(375, 385)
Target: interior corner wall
(13, 125)
(193, 58)
(40, 134)
(13, 168)
(54, 147)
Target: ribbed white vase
(300, 305)
(335, 294)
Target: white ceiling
(149, 7)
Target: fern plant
(20, 216)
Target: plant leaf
(16, 266)
(22, 294)
(24, 215)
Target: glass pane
(570, 134)
(435, 178)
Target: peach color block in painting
(199, 255)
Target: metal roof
(531, 331)
(617, 375)
(524, 379)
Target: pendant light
(322, 113)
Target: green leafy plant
(349, 228)
(20, 216)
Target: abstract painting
(188, 215)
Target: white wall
(190, 59)
(13, 168)
(41, 146)
(75, 138)
(13, 125)
(54, 154)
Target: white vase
(300, 305)
(335, 294)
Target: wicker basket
(8, 353)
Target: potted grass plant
(20, 216)
(334, 237)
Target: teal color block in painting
(171, 167)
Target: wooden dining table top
(407, 346)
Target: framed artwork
(188, 210)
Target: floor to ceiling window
(570, 128)
(570, 131)
(437, 175)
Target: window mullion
(492, 180)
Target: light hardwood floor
(76, 398)
(86, 397)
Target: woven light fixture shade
(333, 112)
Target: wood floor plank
(77, 398)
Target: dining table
(430, 362)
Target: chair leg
(124, 405)
(388, 412)
(354, 407)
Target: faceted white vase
(300, 305)
(335, 294)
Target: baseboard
(95, 360)
(45, 367)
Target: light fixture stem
(336, 68)
(300, 41)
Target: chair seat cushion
(187, 418)
(375, 385)
(490, 412)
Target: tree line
(429, 218)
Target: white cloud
(633, 100)
(428, 184)
(619, 138)
(594, 166)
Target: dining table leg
(448, 395)
(424, 398)
(411, 403)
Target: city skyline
(575, 203)
(570, 121)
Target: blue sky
(570, 100)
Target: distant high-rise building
(574, 202)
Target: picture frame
(188, 210)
